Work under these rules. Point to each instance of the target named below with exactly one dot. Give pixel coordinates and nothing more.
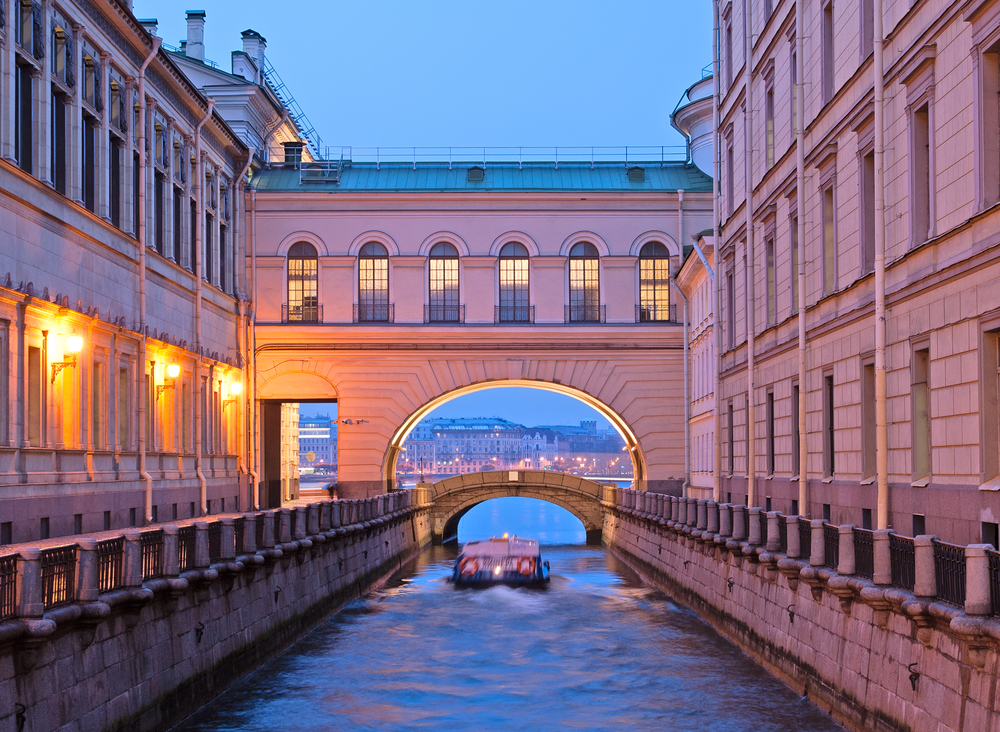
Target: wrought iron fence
(444, 313)
(805, 537)
(656, 313)
(782, 533)
(949, 571)
(258, 526)
(8, 586)
(762, 519)
(901, 561)
(151, 546)
(993, 560)
(110, 564)
(513, 314)
(732, 514)
(831, 546)
(713, 512)
(302, 313)
(240, 534)
(185, 548)
(864, 553)
(367, 312)
(586, 314)
(58, 576)
(215, 542)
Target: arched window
(514, 307)
(654, 283)
(303, 302)
(584, 284)
(443, 272)
(373, 284)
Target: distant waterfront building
(318, 443)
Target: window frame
(373, 303)
(444, 286)
(513, 284)
(654, 283)
(303, 310)
(583, 268)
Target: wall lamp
(172, 371)
(74, 344)
(236, 388)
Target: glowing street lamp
(74, 344)
(172, 371)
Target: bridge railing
(966, 577)
(35, 580)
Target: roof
(495, 547)
(400, 177)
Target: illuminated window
(514, 307)
(443, 272)
(303, 302)
(654, 282)
(373, 283)
(584, 284)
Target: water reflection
(597, 650)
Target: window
(89, 162)
(730, 183)
(23, 117)
(868, 213)
(868, 422)
(768, 9)
(59, 141)
(373, 283)
(867, 28)
(988, 128)
(728, 53)
(35, 407)
(730, 305)
(444, 304)
(4, 384)
(178, 227)
(827, 57)
(770, 432)
(796, 453)
(769, 126)
(97, 406)
(92, 79)
(921, 395)
(303, 281)
(654, 282)
(124, 428)
(514, 302)
(584, 284)
(771, 280)
(159, 212)
(920, 176)
(829, 240)
(793, 256)
(829, 453)
(731, 438)
(135, 195)
(115, 163)
(208, 271)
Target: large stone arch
(454, 497)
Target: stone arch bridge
(456, 496)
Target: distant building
(317, 444)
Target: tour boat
(507, 560)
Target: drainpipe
(716, 286)
(687, 365)
(800, 197)
(199, 194)
(241, 303)
(881, 429)
(141, 371)
(750, 250)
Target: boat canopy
(512, 547)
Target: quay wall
(875, 657)
(140, 659)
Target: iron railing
(805, 537)
(444, 313)
(489, 157)
(762, 519)
(732, 519)
(215, 542)
(301, 313)
(58, 576)
(949, 571)
(993, 560)
(713, 508)
(374, 312)
(8, 586)
(782, 533)
(656, 313)
(902, 561)
(185, 548)
(513, 314)
(831, 546)
(240, 534)
(293, 521)
(151, 546)
(586, 313)
(259, 530)
(110, 564)
(864, 553)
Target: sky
(460, 73)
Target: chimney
(253, 46)
(149, 24)
(196, 34)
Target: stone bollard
(132, 558)
(794, 550)
(924, 574)
(739, 523)
(977, 580)
(335, 514)
(702, 515)
(270, 535)
(817, 552)
(86, 570)
(170, 565)
(250, 533)
(672, 510)
(773, 543)
(300, 523)
(29, 584)
(201, 559)
(312, 519)
(228, 543)
(725, 520)
(882, 557)
(682, 508)
(755, 538)
(846, 565)
(283, 526)
(712, 525)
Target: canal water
(597, 650)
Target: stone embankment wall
(217, 599)
(875, 656)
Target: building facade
(807, 156)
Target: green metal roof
(425, 177)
